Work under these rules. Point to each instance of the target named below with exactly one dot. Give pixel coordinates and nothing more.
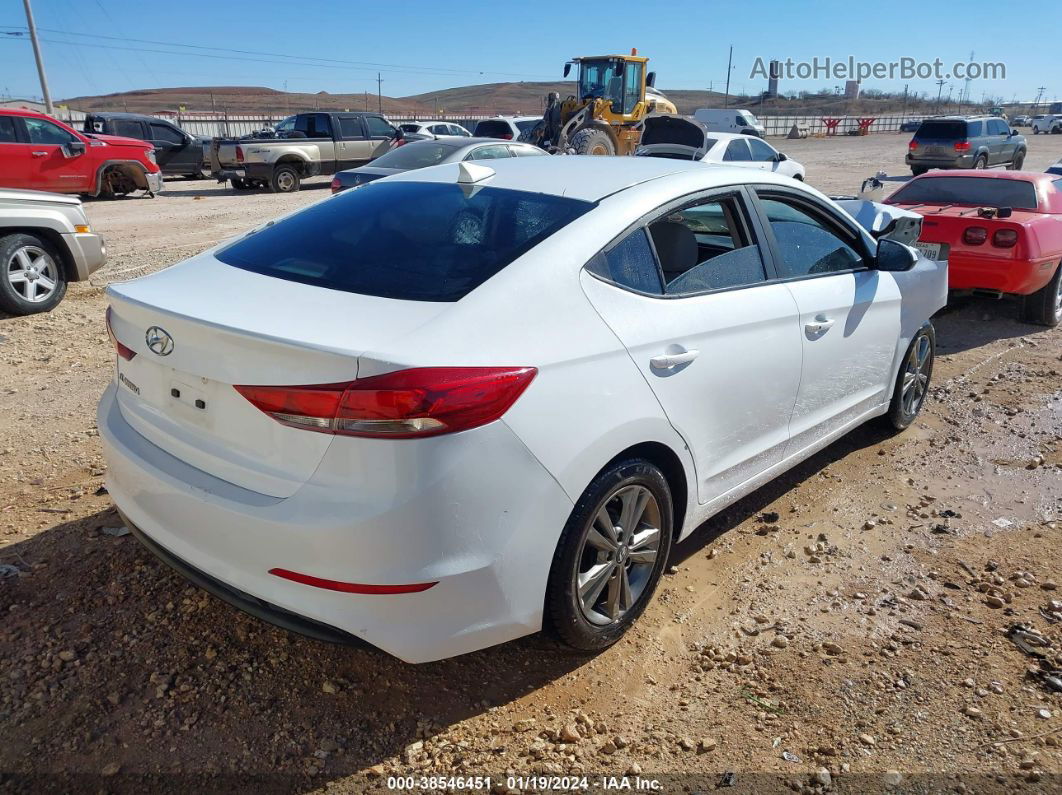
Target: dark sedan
(431, 152)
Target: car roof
(587, 177)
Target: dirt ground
(844, 628)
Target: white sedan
(463, 403)
(683, 138)
(436, 129)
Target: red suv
(39, 153)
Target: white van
(730, 120)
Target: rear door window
(630, 263)
(942, 130)
(414, 241)
(738, 151)
(350, 128)
(761, 152)
(128, 128)
(8, 132)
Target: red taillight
(912, 146)
(506, 136)
(125, 352)
(962, 146)
(400, 142)
(406, 404)
(1005, 238)
(350, 587)
(974, 235)
(239, 154)
(336, 186)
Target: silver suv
(45, 242)
(965, 142)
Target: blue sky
(423, 46)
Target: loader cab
(618, 79)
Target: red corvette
(1000, 231)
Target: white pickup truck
(303, 145)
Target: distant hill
(486, 99)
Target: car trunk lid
(240, 328)
(664, 136)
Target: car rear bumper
(958, 161)
(473, 512)
(968, 272)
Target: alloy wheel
(32, 273)
(618, 554)
(916, 375)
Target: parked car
(1047, 124)
(911, 125)
(689, 139)
(1000, 231)
(1022, 121)
(961, 142)
(508, 128)
(491, 403)
(45, 242)
(435, 129)
(177, 152)
(730, 120)
(1056, 168)
(421, 154)
(38, 152)
(304, 145)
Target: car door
(689, 296)
(54, 169)
(1007, 144)
(380, 132)
(849, 314)
(353, 147)
(764, 156)
(737, 153)
(17, 165)
(175, 151)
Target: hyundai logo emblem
(159, 341)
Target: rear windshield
(416, 241)
(948, 130)
(418, 154)
(972, 191)
(493, 129)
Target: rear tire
(918, 170)
(1044, 307)
(31, 275)
(603, 575)
(285, 179)
(981, 163)
(912, 381)
(1017, 162)
(593, 141)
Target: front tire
(912, 382)
(285, 179)
(610, 556)
(1044, 307)
(592, 141)
(31, 279)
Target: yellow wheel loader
(616, 93)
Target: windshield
(418, 154)
(601, 79)
(415, 241)
(749, 118)
(971, 191)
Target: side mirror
(894, 256)
(75, 148)
(567, 69)
(650, 79)
(781, 157)
(1014, 132)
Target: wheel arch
(66, 259)
(668, 462)
(304, 166)
(135, 170)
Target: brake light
(912, 145)
(1005, 238)
(124, 351)
(407, 404)
(974, 235)
(239, 153)
(336, 186)
(350, 587)
(506, 136)
(962, 146)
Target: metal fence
(235, 125)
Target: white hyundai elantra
(455, 406)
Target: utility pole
(940, 87)
(729, 61)
(379, 93)
(1040, 92)
(903, 113)
(37, 54)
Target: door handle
(669, 360)
(818, 325)
(39, 154)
